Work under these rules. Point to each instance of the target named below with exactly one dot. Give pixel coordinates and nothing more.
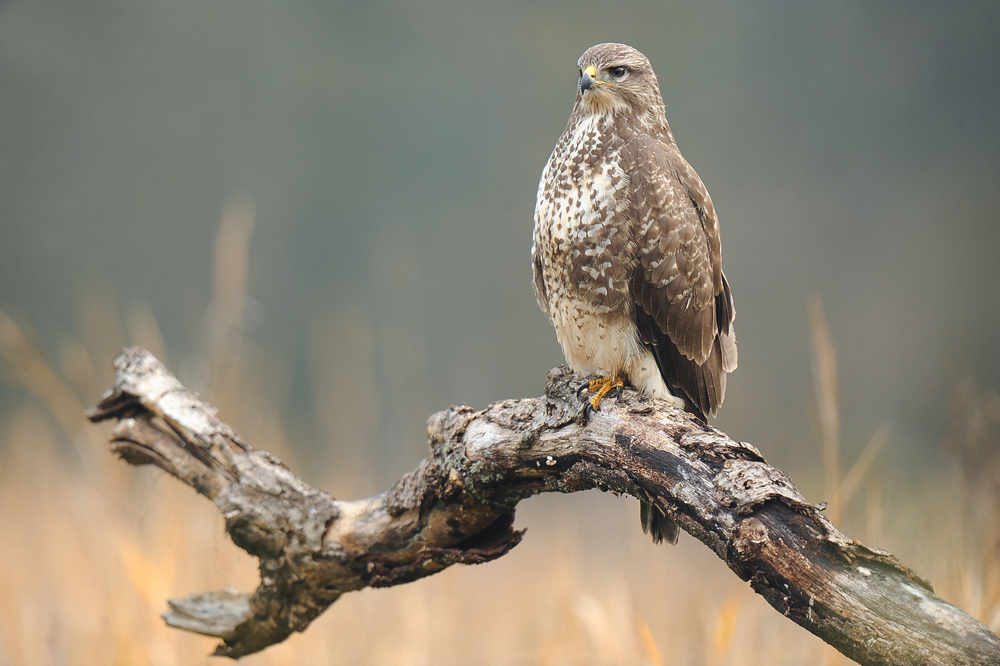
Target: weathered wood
(458, 505)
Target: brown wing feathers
(703, 387)
(684, 307)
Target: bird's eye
(618, 72)
(579, 72)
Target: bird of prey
(626, 253)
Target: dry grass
(91, 549)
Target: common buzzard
(626, 253)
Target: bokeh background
(319, 214)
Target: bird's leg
(601, 386)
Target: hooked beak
(588, 79)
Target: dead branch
(457, 506)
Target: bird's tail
(657, 524)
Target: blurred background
(319, 215)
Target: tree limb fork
(457, 507)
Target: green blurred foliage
(392, 151)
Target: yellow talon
(600, 387)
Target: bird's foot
(601, 386)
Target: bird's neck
(654, 119)
(650, 121)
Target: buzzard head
(616, 78)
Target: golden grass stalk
(839, 490)
(824, 371)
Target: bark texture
(458, 505)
